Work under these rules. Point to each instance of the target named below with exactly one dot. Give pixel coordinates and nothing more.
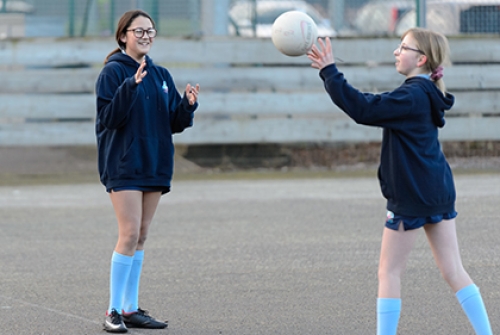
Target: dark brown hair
(123, 24)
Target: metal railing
(72, 18)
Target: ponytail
(436, 77)
(117, 50)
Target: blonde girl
(414, 175)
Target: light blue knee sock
(131, 300)
(120, 271)
(388, 311)
(473, 306)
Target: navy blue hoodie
(135, 123)
(414, 176)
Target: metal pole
(421, 10)
(71, 18)
(214, 17)
(86, 16)
(194, 17)
(221, 18)
(254, 18)
(336, 9)
(112, 17)
(155, 13)
(207, 17)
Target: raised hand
(140, 74)
(192, 93)
(323, 55)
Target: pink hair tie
(437, 73)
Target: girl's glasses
(401, 47)
(139, 32)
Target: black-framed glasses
(139, 32)
(401, 47)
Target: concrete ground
(251, 256)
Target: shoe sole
(146, 326)
(116, 331)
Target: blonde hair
(435, 47)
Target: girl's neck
(138, 60)
(416, 73)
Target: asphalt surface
(237, 257)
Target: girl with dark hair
(138, 111)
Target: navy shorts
(162, 189)
(410, 222)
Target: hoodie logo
(390, 217)
(164, 87)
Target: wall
(250, 93)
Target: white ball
(294, 33)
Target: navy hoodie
(135, 123)
(414, 176)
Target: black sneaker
(114, 323)
(142, 319)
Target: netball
(294, 33)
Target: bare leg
(134, 211)
(396, 247)
(443, 241)
(442, 238)
(149, 204)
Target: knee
(130, 239)
(453, 275)
(385, 274)
(142, 239)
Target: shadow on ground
(78, 164)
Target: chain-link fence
(59, 18)
(248, 18)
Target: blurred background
(253, 18)
(258, 109)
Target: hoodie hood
(439, 102)
(127, 60)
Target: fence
(59, 18)
(250, 93)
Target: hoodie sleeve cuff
(132, 83)
(328, 70)
(187, 106)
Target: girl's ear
(422, 60)
(123, 38)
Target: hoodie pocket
(147, 157)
